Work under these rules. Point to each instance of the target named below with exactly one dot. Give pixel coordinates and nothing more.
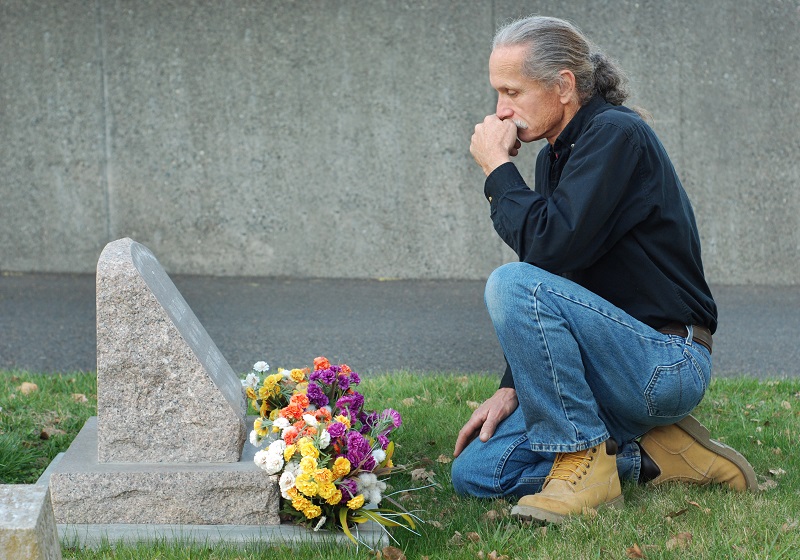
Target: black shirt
(608, 212)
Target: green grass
(759, 418)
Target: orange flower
(321, 363)
(322, 415)
(345, 369)
(292, 411)
(290, 435)
(310, 431)
(300, 400)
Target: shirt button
(490, 199)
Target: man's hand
(494, 143)
(486, 418)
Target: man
(606, 321)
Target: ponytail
(609, 81)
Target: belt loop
(690, 335)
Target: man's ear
(566, 87)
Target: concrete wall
(330, 138)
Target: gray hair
(555, 45)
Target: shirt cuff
(508, 380)
(502, 179)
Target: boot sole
(529, 513)
(700, 433)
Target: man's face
(536, 109)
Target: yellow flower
(323, 476)
(274, 379)
(307, 447)
(261, 429)
(288, 453)
(274, 414)
(341, 467)
(297, 375)
(306, 485)
(251, 394)
(312, 511)
(301, 388)
(335, 498)
(356, 502)
(300, 503)
(344, 420)
(326, 490)
(308, 465)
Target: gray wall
(330, 138)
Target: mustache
(522, 125)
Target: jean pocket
(675, 390)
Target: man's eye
(511, 93)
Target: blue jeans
(584, 371)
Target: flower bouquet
(332, 456)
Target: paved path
(47, 324)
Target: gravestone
(166, 445)
(165, 393)
(27, 526)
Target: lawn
(759, 418)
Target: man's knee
(506, 287)
(465, 478)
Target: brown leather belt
(700, 334)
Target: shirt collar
(575, 126)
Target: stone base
(368, 534)
(87, 492)
(27, 527)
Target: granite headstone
(165, 393)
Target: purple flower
(349, 488)
(358, 449)
(324, 376)
(384, 441)
(354, 378)
(392, 414)
(316, 396)
(369, 420)
(351, 402)
(344, 382)
(336, 429)
(369, 463)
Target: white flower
(371, 487)
(292, 467)
(286, 483)
(310, 420)
(252, 381)
(379, 455)
(277, 446)
(270, 462)
(373, 496)
(324, 439)
(261, 367)
(366, 480)
(254, 439)
(281, 423)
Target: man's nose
(503, 111)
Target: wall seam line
(106, 157)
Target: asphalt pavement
(47, 324)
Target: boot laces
(569, 465)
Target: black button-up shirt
(608, 212)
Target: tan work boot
(684, 452)
(577, 481)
